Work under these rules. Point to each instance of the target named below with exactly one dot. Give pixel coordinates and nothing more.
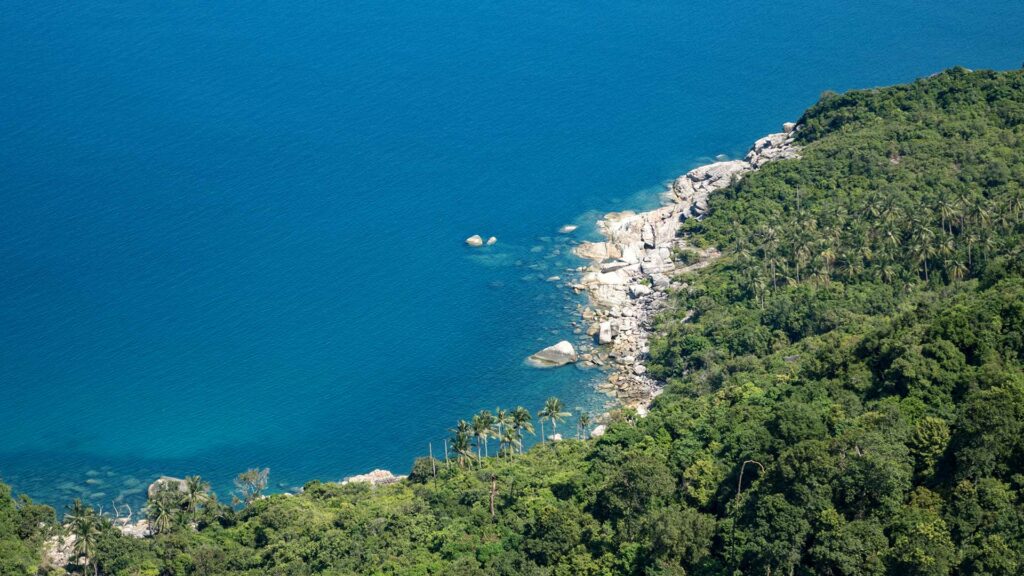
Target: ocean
(231, 233)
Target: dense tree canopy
(845, 393)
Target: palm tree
(85, 525)
(828, 256)
(483, 424)
(583, 424)
(521, 421)
(956, 269)
(502, 419)
(163, 509)
(460, 441)
(552, 412)
(197, 492)
(510, 440)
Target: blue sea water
(231, 232)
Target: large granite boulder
(557, 355)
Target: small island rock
(492, 241)
(475, 241)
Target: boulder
(166, 483)
(660, 281)
(598, 431)
(604, 333)
(377, 477)
(492, 241)
(557, 355)
(788, 127)
(475, 241)
(567, 229)
(647, 236)
(613, 265)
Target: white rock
(568, 229)
(475, 241)
(492, 241)
(639, 369)
(557, 355)
(647, 235)
(604, 333)
(374, 478)
(660, 280)
(788, 127)
(598, 431)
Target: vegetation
(24, 527)
(847, 397)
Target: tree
(86, 526)
(483, 428)
(460, 443)
(510, 441)
(921, 543)
(552, 412)
(583, 425)
(521, 422)
(163, 510)
(249, 485)
(197, 493)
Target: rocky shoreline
(631, 272)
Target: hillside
(845, 393)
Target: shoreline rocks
(376, 478)
(632, 271)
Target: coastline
(631, 273)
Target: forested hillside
(845, 392)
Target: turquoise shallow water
(231, 234)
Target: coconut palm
(956, 269)
(197, 492)
(521, 422)
(553, 413)
(502, 420)
(461, 441)
(85, 525)
(163, 508)
(510, 441)
(583, 425)
(483, 428)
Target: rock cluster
(477, 241)
(631, 272)
(375, 478)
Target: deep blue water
(231, 232)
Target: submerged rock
(568, 229)
(475, 241)
(492, 241)
(557, 355)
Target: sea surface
(231, 233)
